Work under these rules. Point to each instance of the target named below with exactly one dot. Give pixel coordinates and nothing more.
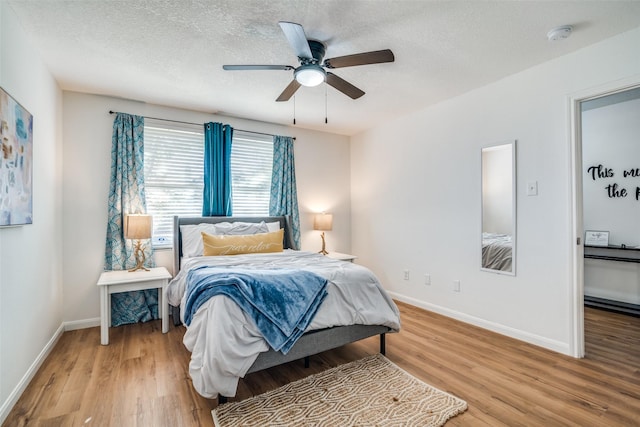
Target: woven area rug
(368, 392)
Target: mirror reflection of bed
(498, 208)
(496, 251)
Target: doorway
(611, 179)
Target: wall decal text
(614, 190)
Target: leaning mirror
(499, 208)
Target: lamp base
(323, 251)
(138, 253)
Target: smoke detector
(559, 33)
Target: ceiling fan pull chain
(325, 103)
(294, 109)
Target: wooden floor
(142, 379)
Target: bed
(225, 345)
(497, 252)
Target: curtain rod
(197, 124)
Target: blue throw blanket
(281, 303)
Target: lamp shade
(323, 222)
(137, 226)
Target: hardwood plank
(142, 377)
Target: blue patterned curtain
(284, 196)
(217, 169)
(127, 195)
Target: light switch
(532, 188)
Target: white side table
(342, 257)
(113, 282)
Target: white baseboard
(547, 343)
(8, 404)
(81, 324)
(612, 295)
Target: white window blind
(251, 164)
(174, 173)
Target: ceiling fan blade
(297, 39)
(288, 92)
(344, 86)
(256, 67)
(375, 57)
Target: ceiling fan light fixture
(311, 71)
(310, 75)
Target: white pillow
(241, 228)
(273, 226)
(192, 238)
(192, 234)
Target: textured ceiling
(171, 52)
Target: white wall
(416, 196)
(322, 169)
(31, 255)
(611, 138)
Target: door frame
(576, 344)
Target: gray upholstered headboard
(285, 223)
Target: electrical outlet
(406, 275)
(427, 279)
(456, 286)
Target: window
(174, 173)
(251, 164)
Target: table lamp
(138, 227)
(323, 222)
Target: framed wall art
(596, 238)
(16, 162)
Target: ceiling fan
(311, 71)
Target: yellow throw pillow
(243, 244)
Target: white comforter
(224, 343)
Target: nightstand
(342, 257)
(113, 282)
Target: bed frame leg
(383, 347)
(175, 314)
(221, 399)
(306, 361)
